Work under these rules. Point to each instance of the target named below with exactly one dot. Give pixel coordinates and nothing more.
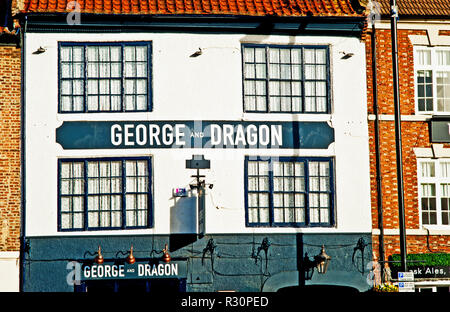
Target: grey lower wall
(235, 263)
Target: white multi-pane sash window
(434, 191)
(432, 76)
(291, 79)
(104, 77)
(104, 193)
(289, 191)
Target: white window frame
(437, 180)
(433, 68)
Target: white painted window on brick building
(434, 191)
(432, 79)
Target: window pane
(310, 72)
(274, 55)
(324, 215)
(289, 215)
(66, 221)
(278, 200)
(260, 71)
(252, 167)
(278, 215)
(443, 91)
(141, 53)
(253, 215)
(300, 215)
(260, 55)
(428, 190)
(263, 184)
(264, 215)
(131, 217)
(424, 57)
(253, 200)
(289, 184)
(278, 184)
(427, 169)
(296, 56)
(66, 54)
(249, 55)
(314, 215)
(443, 57)
(445, 169)
(130, 54)
(66, 71)
(78, 70)
(78, 221)
(249, 71)
(274, 71)
(309, 56)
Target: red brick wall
(414, 134)
(9, 148)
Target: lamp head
(131, 259)
(99, 258)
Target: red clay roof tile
(228, 7)
(417, 7)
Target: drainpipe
(377, 145)
(22, 161)
(398, 136)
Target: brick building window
(293, 79)
(434, 191)
(289, 191)
(432, 72)
(104, 77)
(110, 193)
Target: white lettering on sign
(167, 131)
(239, 135)
(168, 269)
(104, 271)
(116, 138)
(179, 134)
(167, 134)
(141, 135)
(154, 132)
(129, 134)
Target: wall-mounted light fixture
(321, 262)
(166, 256)
(99, 258)
(40, 50)
(197, 53)
(131, 259)
(346, 55)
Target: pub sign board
(430, 271)
(194, 134)
(138, 270)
